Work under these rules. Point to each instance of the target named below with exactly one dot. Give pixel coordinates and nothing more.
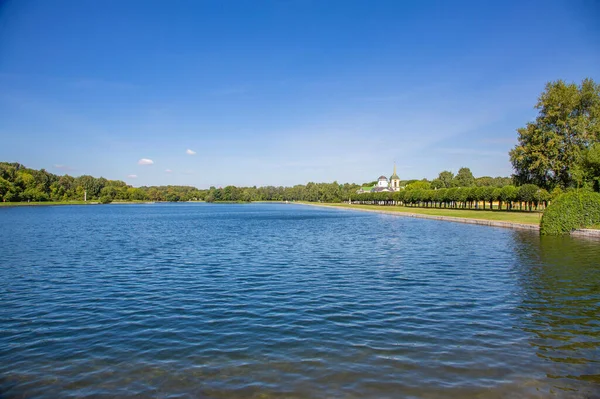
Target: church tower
(395, 181)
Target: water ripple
(283, 301)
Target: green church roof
(394, 176)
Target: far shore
(59, 203)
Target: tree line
(312, 192)
(19, 183)
(525, 197)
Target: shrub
(570, 211)
(105, 199)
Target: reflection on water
(561, 305)
(283, 301)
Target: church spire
(395, 180)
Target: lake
(290, 301)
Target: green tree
(484, 181)
(437, 184)
(136, 194)
(591, 166)
(446, 177)
(551, 148)
(105, 199)
(108, 192)
(5, 188)
(529, 193)
(464, 178)
(508, 194)
(556, 193)
(501, 181)
(419, 185)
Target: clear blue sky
(280, 92)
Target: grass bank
(52, 203)
(522, 217)
(44, 203)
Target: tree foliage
(445, 179)
(591, 166)
(551, 150)
(508, 197)
(464, 178)
(18, 183)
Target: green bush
(570, 211)
(105, 199)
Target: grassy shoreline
(59, 203)
(44, 203)
(520, 217)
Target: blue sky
(280, 92)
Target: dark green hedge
(570, 211)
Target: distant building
(395, 181)
(365, 189)
(383, 184)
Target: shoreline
(584, 233)
(95, 202)
(482, 222)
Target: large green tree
(464, 178)
(591, 166)
(550, 150)
(446, 178)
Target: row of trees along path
(525, 197)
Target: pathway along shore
(484, 222)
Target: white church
(383, 184)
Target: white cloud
(145, 161)
(168, 171)
(132, 176)
(190, 152)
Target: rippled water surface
(287, 301)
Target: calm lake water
(290, 301)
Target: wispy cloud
(190, 152)
(145, 161)
(132, 176)
(168, 171)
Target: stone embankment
(588, 233)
